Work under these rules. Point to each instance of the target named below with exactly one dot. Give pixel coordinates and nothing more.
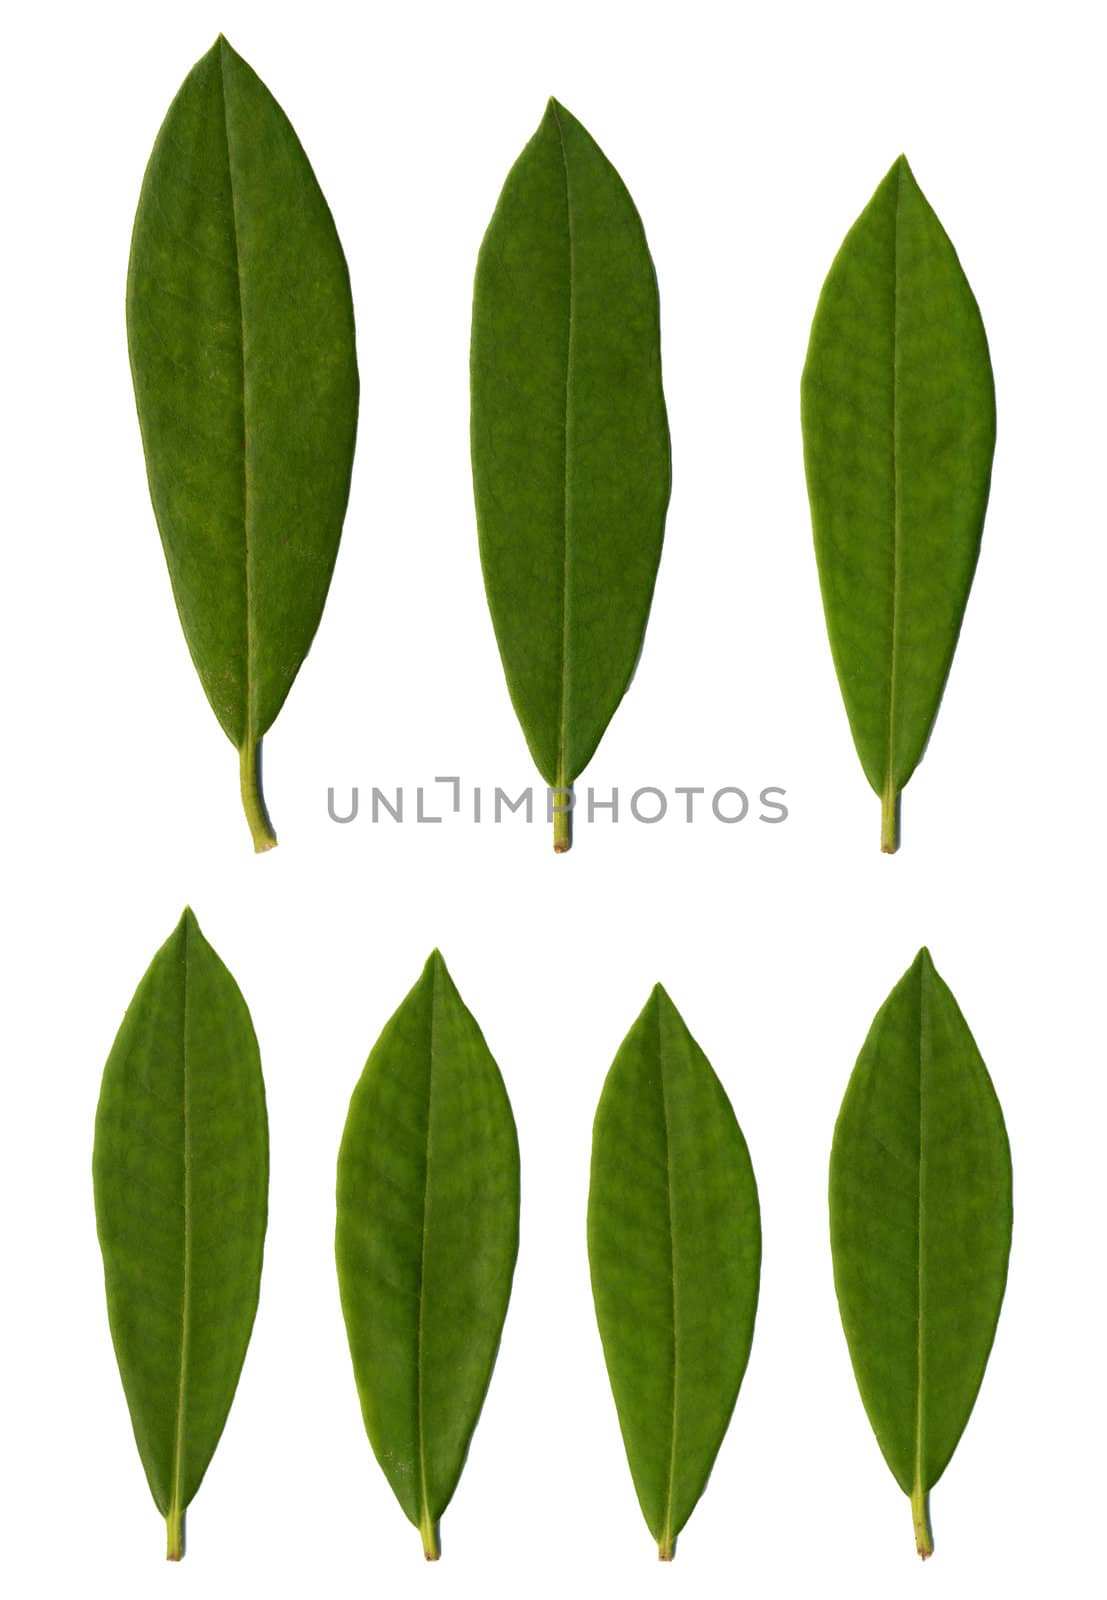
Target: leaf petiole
(253, 800)
(889, 820)
(432, 1547)
(174, 1531)
(920, 1510)
(561, 803)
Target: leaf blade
(674, 1243)
(920, 1212)
(241, 336)
(898, 415)
(569, 438)
(180, 1177)
(425, 1241)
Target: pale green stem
(920, 1511)
(889, 819)
(174, 1533)
(563, 819)
(253, 801)
(432, 1549)
(666, 1548)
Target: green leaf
(920, 1228)
(674, 1243)
(570, 442)
(181, 1174)
(898, 433)
(241, 333)
(426, 1239)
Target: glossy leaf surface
(426, 1239)
(920, 1227)
(181, 1173)
(570, 442)
(898, 428)
(674, 1243)
(241, 334)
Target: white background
(750, 137)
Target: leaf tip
(557, 114)
(897, 175)
(435, 965)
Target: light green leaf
(181, 1173)
(426, 1239)
(674, 1243)
(920, 1228)
(241, 332)
(898, 431)
(570, 442)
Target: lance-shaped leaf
(674, 1243)
(181, 1175)
(241, 333)
(570, 443)
(426, 1238)
(920, 1228)
(898, 433)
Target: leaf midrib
(186, 1296)
(563, 712)
(248, 733)
(889, 776)
(667, 1530)
(425, 1507)
(924, 1048)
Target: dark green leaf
(674, 1242)
(427, 1233)
(920, 1227)
(898, 433)
(181, 1174)
(241, 332)
(570, 443)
